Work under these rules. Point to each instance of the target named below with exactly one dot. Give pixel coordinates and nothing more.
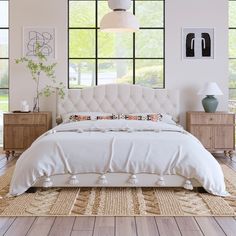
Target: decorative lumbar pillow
(152, 117)
(105, 117)
(166, 118)
(74, 118)
(139, 116)
(93, 115)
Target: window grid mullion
(134, 43)
(96, 44)
(96, 28)
(164, 51)
(232, 58)
(119, 58)
(6, 58)
(142, 28)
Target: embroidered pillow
(93, 116)
(105, 117)
(164, 117)
(152, 117)
(74, 118)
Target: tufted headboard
(120, 98)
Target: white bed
(67, 156)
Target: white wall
(36, 13)
(189, 75)
(186, 75)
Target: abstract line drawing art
(44, 37)
(198, 43)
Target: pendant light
(119, 20)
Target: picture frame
(198, 43)
(43, 36)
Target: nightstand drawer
(21, 129)
(25, 119)
(216, 130)
(213, 119)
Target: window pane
(149, 13)
(3, 13)
(232, 43)
(115, 45)
(232, 73)
(232, 100)
(115, 71)
(3, 73)
(149, 73)
(82, 73)
(3, 43)
(232, 13)
(82, 43)
(149, 43)
(3, 100)
(82, 14)
(232, 86)
(103, 9)
(3, 107)
(232, 96)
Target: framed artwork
(45, 37)
(198, 43)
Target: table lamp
(210, 90)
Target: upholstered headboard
(120, 98)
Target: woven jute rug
(118, 201)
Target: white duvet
(108, 146)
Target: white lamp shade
(210, 88)
(119, 21)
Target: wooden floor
(120, 226)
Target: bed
(118, 152)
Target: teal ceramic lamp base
(209, 103)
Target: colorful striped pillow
(152, 117)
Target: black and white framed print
(198, 43)
(44, 37)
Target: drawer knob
(211, 119)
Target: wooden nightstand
(216, 131)
(21, 129)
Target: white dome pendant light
(119, 20)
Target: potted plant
(37, 67)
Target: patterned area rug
(118, 201)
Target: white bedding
(114, 146)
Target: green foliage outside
(3, 100)
(4, 81)
(146, 76)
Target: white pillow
(168, 119)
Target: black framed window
(4, 61)
(232, 55)
(4, 54)
(97, 57)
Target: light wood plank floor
(119, 226)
